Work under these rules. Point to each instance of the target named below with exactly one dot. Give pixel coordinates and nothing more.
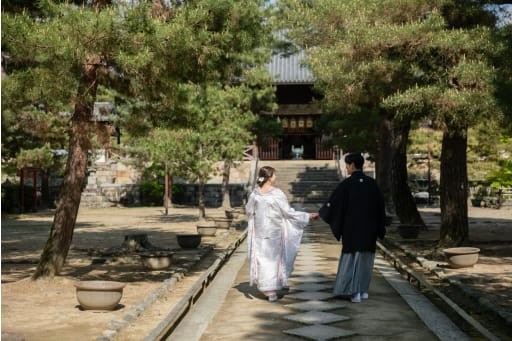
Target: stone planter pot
(461, 257)
(208, 228)
(232, 214)
(99, 295)
(476, 202)
(188, 241)
(223, 223)
(157, 260)
(409, 231)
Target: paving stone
(310, 247)
(301, 268)
(312, 295)
(312, 287)
(319, 332)
(316, 317)
(311, 267)
(308, 273)
(309, 279)
(315, 305)
(304, 247)
(308, 262)
(311, 256)
(316, 255)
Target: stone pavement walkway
(394, 311)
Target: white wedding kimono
(274, 235)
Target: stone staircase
(110, 184)
(305, 181)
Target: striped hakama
(354, 273)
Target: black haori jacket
(356, 214)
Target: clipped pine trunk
(454, 189)
(383, 164)
(45, 189)
(202, 201)
(166, 188)
(61, 234)
(226, 199)
(406, 208)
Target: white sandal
(272, 298)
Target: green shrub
(152, 192)
(503, 176)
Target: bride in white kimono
(274, 235)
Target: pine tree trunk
(383, 163)
(226, 199)
(61, 234)
(406, 208)
(170, 190)
(454, 189)
(202, 206)
(45, 189)
(166, 186)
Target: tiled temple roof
(289, 69)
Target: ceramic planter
(476, 202)
(99, 295)
(461, 257)
(232, 214)
(188, 241)
(157, 260)
(208, 228)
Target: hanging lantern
(285, 123)
(293, 123)
(301, 122)
(309, 123)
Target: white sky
(504, 13)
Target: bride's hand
(313, 216)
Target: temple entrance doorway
(293, 147)
(293, 143)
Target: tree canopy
(385, 64)
(154, 57)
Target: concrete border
(115, 326)
(435, 320)
(191, 297)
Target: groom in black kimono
(356, 214)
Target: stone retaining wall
(114, 183)
(188, 195)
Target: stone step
(305, 181)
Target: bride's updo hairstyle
(264, 174)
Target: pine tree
(144, 51)
(396, 63)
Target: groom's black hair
(355, 158)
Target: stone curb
(115, 326)
(433, 267)
(195, 291)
